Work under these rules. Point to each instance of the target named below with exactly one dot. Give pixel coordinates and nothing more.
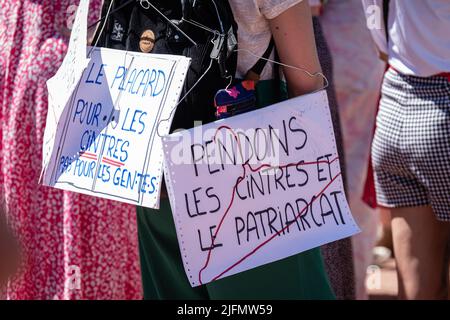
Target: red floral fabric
(74, 246)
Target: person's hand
(9, 252)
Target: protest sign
(255, 188)
(63, 83)
(108, 139)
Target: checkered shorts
(411, 148)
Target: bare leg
(420, 244)
(386, 232)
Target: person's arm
(294, 38)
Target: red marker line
(276, 234)
(88, 157)
(238, 181)
(112, 162)
(89, 154)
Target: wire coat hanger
(146, 4)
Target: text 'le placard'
(108, 142)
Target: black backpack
(143, 26)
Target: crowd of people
(388, 69)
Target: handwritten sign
(108, 141)
(256, 188)
(63, 83)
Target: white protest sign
(256, 188)
(108, 141)
(63, 83)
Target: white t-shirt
(253, 30)
(419, 36)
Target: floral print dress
(74, 246)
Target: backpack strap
(255, 72)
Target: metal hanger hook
(147, 4)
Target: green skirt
(298, 277)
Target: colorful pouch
(238, 99)
(242, 96)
